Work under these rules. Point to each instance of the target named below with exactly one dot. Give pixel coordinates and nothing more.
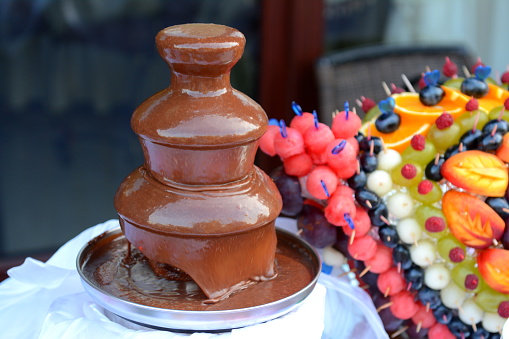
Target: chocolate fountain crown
(200, 118)
(199, 204)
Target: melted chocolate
(133, 280)
(198, 203)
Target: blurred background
(73, 71)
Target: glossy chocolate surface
(198, 203)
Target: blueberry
(428, 295)
(368, 162)
(415, 276)
(388, 235)
(453, 150)
(499, 205)
(443, 314)
(459, 328)
(470, 138)
(387, 122)
(431, 95)
(433, 168)
(474, 87)
(375, 214)
(501, 125)
(490, 141)
(366, 198)
(358, 180)
(401, 255)
(365, 144)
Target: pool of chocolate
(114, 268)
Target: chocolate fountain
(198, 218)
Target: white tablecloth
(47, 300)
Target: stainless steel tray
(193, 321)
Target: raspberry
(471, 281)
(408, 171)
(450, 69)
(444, 121)
(472, 105)
(424, 187)
(418, 142)
(503, 309)
(506, 104)
(434, 224)
(367, 104)
(477, 64)
(505, 78)
(421, 83)
(396, 90)
(457, 254)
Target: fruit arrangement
(415, 196)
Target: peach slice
(503, 151)
(493, 264)
(477, 172)
(471, 220)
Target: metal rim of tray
(195, 321)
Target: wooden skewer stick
(387, 291)
(384, 306)
(384, 219)
(466, 71)
(364, 271)
(419, 325)
(358, 102)
(474, 326)
(408, 84)
(386, 88)
(352, 236)
(400, 331)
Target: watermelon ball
(288, 141)
(391, 282)
(267, 140)
(362, 223)
(321, 182)
(298, 165)
(362, 248)
(342, 158)
(337, 206)
(318, 158)
(302, 120)
(440, 331)
(318, 136)
(424, 317)
(381, 261)
(346, 124)
(403, 305)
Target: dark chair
(351, 73)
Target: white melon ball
(452, 296)
(332, 257)
(388, 159)
(470, 313)
(400, 205)
(409, 230)
(437, 276)
(379, 182)
(493, 322)
(423, 253)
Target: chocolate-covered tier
(198, 203)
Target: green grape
(430, 197)
(399, 179)
(460, 272)
(446, 244)
(454, 83)
(495, 114)
(444, 138)
(488, 299)
(466, 121)
(372, 114)
(424, 212)
(421, 157)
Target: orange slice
(408, 104)
(399, 139)
(495, 97)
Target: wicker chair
(347, 75)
